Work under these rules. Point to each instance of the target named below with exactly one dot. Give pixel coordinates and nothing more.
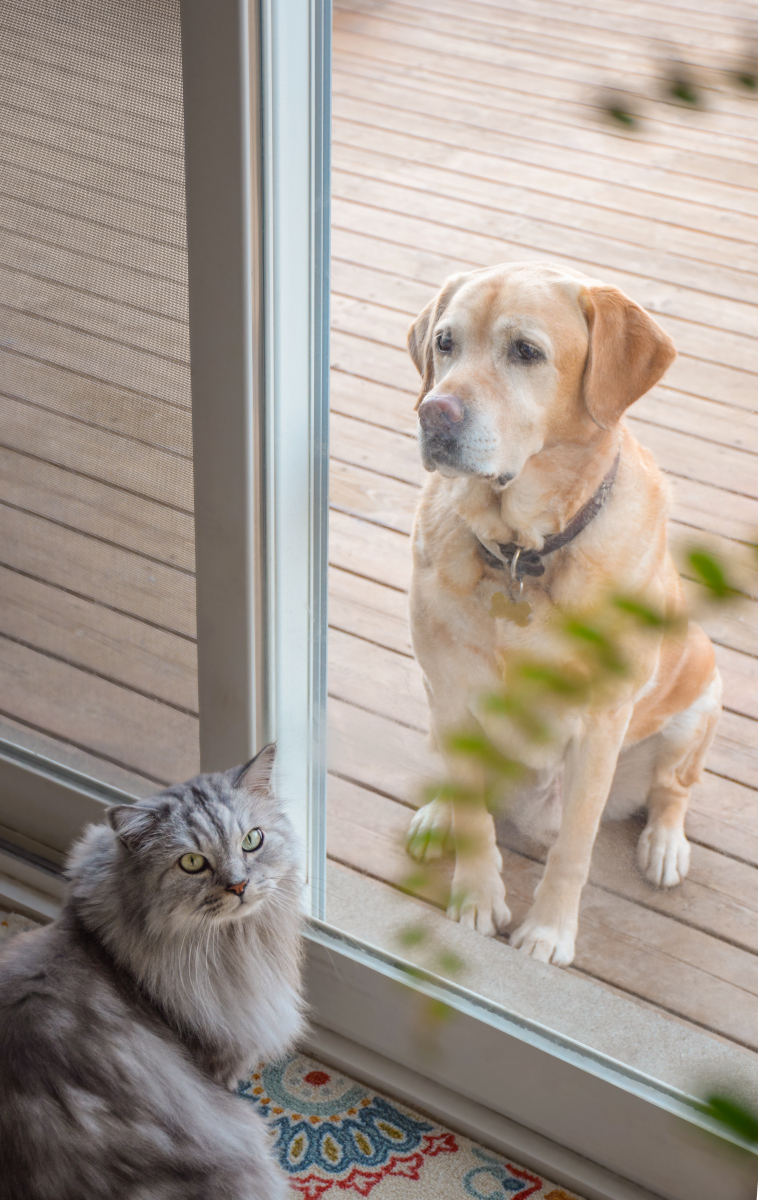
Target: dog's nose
(438, 414)
(237, 888)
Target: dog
(536, 483)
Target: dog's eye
(444, 343)
(527, 352)
(192, 863)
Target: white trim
(28, 889)
(296, 79)
(256, 89)
(614, 1118)
(222, 140)
(563, 1167)
(256, 80)
(40, 798)
(574, 1011)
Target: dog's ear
(420, 343)
(628, 353)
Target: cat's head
(211, 850)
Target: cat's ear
(132, 822)
(255, 776)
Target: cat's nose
(237, 888)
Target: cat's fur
(124, 1023)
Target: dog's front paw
(663, 855)
(477, 899)
(430, 830)
(547, 941)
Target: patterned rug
(339, 1140)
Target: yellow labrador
(527, 371)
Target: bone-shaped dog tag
(518, 611)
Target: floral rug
(339, 1140)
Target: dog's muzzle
(442, 420)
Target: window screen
(97, 597)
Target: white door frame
(256, 93)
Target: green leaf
(412, 936)
(709, 572)
(449, 791)
(472, 745)
(415, 881)
(515, 707)
(623, 118)
(644, 614)
(437, 1010)
(605, 650)
(684, 91)
(733, 1115)
(553, 679)
(450, 963)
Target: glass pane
(97, 617)
(472, 134)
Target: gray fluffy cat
(174, 967)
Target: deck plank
(38, 277)
(682, 256)
(97, 715)
(55, 390)
(86, 635)
(562, 80)
(529, 128)
(682, 967)
(119, 579)
(112, 364)
(50, 209)
(133, 465)
(110, 514)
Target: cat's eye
(192, 863)
(252, 840)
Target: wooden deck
(463, 135)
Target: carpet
(339, 1140)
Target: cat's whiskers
(208, 937)
(180, 961)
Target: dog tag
(511, 610)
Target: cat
(173, 968)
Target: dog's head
(523, 357)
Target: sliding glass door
(165, 561)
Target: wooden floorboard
(528, 126)
(463, 136)
(511, 163)
(678, 960)
(92, 403)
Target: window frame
(256, 96)
(256, 99)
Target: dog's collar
(522, 562)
